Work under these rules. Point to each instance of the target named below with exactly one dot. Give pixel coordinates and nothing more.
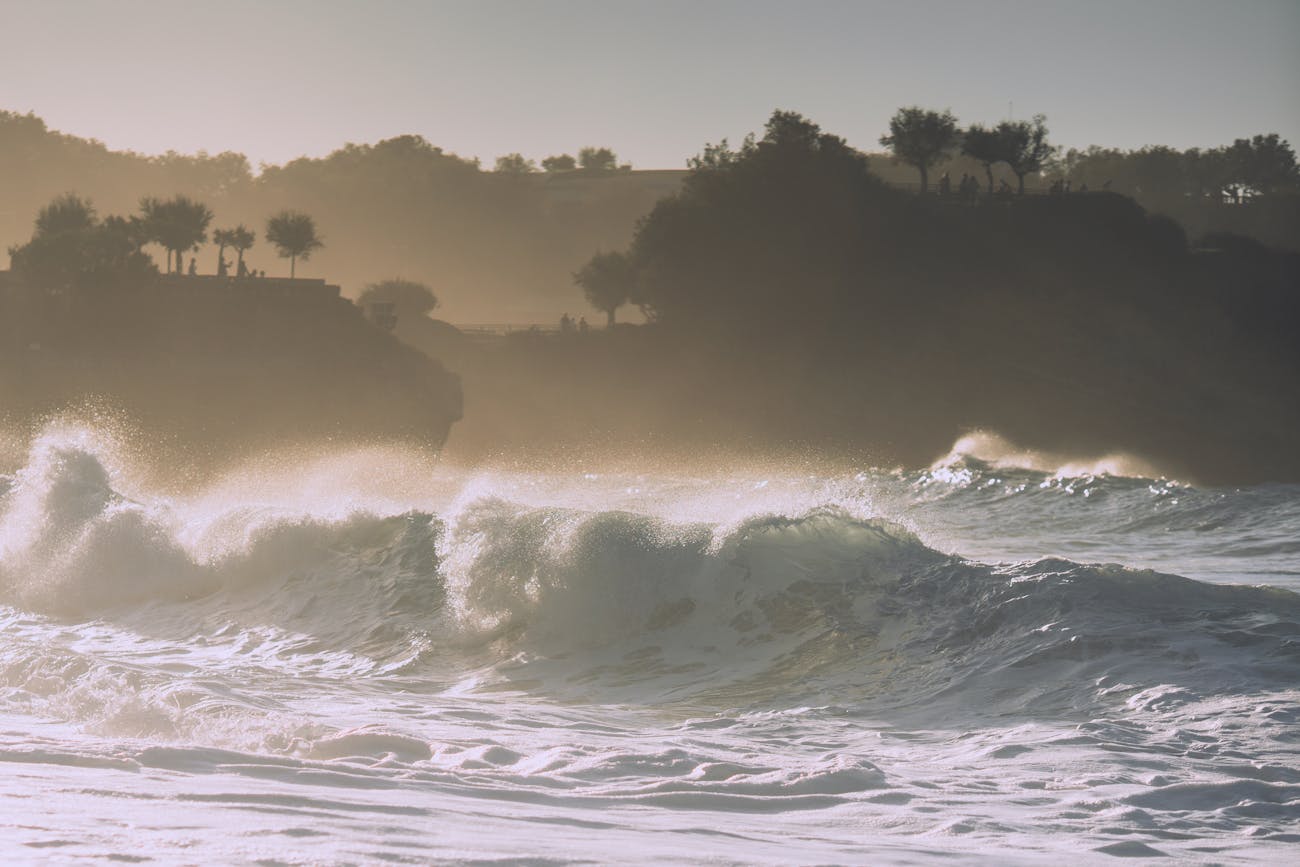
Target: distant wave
(992, 449)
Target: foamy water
(363, 658)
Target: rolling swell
(819, 608)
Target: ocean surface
(365, 657)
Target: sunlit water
(361, 658)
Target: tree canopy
(68, 213)
(596, 160)
(985, 146)
(242, 239)
(514, 164)
(407, 296)
(1025, 146)
(608, 281)
(223, 238)
(72, 249)
(775, 212)
(294, 236)
(922, 138)
(178, 224)
(559, 163)
(1265, 163)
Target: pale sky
(276, 79)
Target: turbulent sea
(365, 658)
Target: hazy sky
(653, 80)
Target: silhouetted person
(243, 269)
(945, 185)
(194, 267)
(566, 324)
(1083, 188)
(1055, 188)
(974, 190)
(582, 324)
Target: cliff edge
(219, 365)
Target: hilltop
(213, 369)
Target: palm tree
(242, 238)
(178, 224)
(295, 235)
(223, 238)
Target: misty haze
(718, 432)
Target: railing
(501, 329)
(983, 192)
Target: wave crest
(806, 609)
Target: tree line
(72, 247)
(443, 220)
(496, 244)
(795, 295)
(590, 160)
(1260, 165)
(1263, 166)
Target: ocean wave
(808, 608)
(991, 449)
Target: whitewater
(366, 656)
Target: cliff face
(221, 365)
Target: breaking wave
(817, 607)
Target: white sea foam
(350, 657)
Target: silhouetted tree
(755, 228)
(1265, 163)
(1026, 146)
(1206, 172)
(921, 138)
(559, 163)
(294, 235)
(242, 239)
(598, 160)
(607, 281)
(423, 210)
(514, 164)
(178, 224)
(1160, 174)
(410, 298)
(71, 249)
(68, 213)
(223, 238)
(985, 146)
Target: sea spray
(546, 652)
